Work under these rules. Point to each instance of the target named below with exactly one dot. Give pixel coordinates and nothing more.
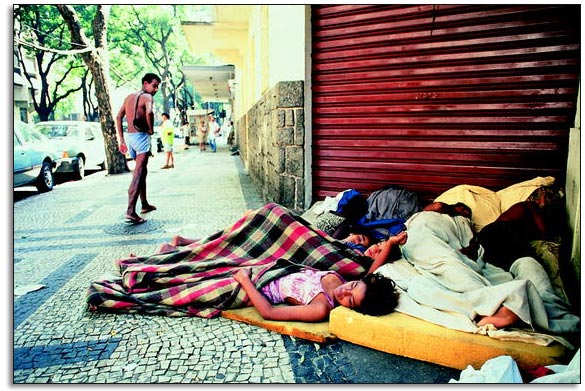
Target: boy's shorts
(137, 143)
(168, 147)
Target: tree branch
(56, 51)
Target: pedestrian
(186, 133)
(213, 132)
(228, 131)
(202, 134)
(138, 108)
(168, 137)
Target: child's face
(374, 250)
(351, 294)
(359, 239)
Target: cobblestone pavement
(70, 236)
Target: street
(67, 238)
(21, 193)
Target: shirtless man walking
(138, 108)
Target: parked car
(34, 158)
(81, 144)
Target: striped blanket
(197, 280)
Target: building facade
(331, 97)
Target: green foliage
(141, 38)
(149, 38)
(41, 25)
(64, 109)
(38, 27)
(86, 14)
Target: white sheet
(441, 285)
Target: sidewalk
(69, 237)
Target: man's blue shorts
(137, 143)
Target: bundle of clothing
(379, 215)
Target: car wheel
(46, 180)
(80, 174)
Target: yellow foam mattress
(407, 336)
(316, 332)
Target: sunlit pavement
(70, 236)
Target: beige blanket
(441, 285)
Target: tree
(37, 30)
(97, 61)
(156, 31)
(90, 108)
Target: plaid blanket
(197, 281)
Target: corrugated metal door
(432, 96)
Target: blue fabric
(354, 246)
(137, 143)
(383, 229)
(345, 198)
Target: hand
(241, 275)
(398, 239)
(123, 148)
(472, 250)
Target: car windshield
(58, 131)
(28, 135)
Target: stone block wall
(272, 144)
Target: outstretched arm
(316, 311)
(381, 252)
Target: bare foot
(176, 240)
(181, 241)
(166, 248)
(501, 318)
(147, 208)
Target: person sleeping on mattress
(445, 278)
(359, 241)
(270, 259)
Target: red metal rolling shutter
(432, 96)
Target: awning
(211, 82)
(226, 35)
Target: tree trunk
(97, 62)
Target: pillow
(313, 212)
(328, 222)
(484, 203)
(521, 191)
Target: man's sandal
(134, 220)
